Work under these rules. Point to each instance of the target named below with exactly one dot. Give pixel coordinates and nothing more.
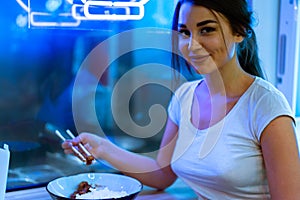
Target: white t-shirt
(225, 161)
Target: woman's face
(205, 40)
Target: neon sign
(70, 13)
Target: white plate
(62, 188)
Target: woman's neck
(230, 81)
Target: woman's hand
(96, 145)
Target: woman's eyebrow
(206, 22)
(198, 24)
(181, 26)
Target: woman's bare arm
(281, 156)
(156, 173)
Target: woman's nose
(194, 44)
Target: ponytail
(247, 53)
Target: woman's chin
(203, 70)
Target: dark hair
(240, 17)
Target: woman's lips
(198, 59)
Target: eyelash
(203, 31)
(184, 33)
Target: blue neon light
(73, 12)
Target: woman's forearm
(145, 169)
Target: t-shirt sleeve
(270, 106)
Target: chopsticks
(87, 158)
(80, 145)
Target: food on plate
(88, 191)
(82, 188)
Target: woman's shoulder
(262, 87)
(267, 95)
(265, 103)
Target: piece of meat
(83, 187)
(87, 155)
(89, 160)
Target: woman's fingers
(66, 144)
(77, 148)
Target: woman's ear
(238, 38)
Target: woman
(229, 135)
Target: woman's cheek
(183, 48)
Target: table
(178, 191)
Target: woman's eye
(184, 33)
(207, 30)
